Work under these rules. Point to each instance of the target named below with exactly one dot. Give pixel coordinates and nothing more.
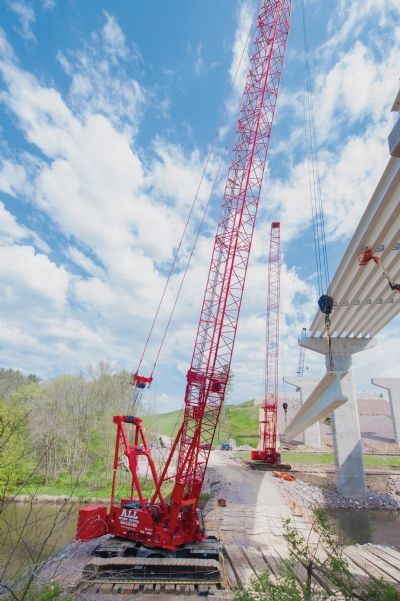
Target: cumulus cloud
(25, 273)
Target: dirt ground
(375, 482)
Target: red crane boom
(156, 521)
(267, 451)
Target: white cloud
(26, 18)
(81, 259)
(241, 46)
(99, 79)
(348, 21)
(48, 4)
(12, 178)
(10, 231)
(25, 274)
(199, 64)
(113, 37)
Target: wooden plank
(384, 555)
(389, 550)
(256, 560)
(239, 564)
(365, 564)
(271, 558)
(381, 564)
(229, 574)
(301, 572)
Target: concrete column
(393, 386)
(311, 436)
(350, 476)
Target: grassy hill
(239, 422)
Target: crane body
(169, 519)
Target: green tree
(326, 561)
(14, 464)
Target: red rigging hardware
(168, 521)
(366, 256)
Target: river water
(366, 526)
(30, 533)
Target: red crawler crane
(168, 522)
(267, 452)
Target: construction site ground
(250, 530)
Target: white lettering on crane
(129, 517)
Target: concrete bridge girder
(324, 398)
(312, 435)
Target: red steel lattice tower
(268, 420)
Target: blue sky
(107, 113)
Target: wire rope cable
(178, 250)
(318, 220)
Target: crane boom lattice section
(209, 371)
(268, 423)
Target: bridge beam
(326, 396)
(312, 435)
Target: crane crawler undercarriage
(122, 560)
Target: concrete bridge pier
(311, 436)
(393, 386)
(350, 475)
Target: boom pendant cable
(140, 381)
(325, 301)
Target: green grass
(378, 461)
(239, 422)
(382, 461)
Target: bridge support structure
(347, 448)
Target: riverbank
(311, 490)
(56, 499)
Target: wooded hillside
(58, 437)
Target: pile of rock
(309, 497)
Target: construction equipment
(167, 523)
(226, 446)
(366, 256)
(267, 452)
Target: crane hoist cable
(140, 381)
(325, 302)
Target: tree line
(60, 431)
